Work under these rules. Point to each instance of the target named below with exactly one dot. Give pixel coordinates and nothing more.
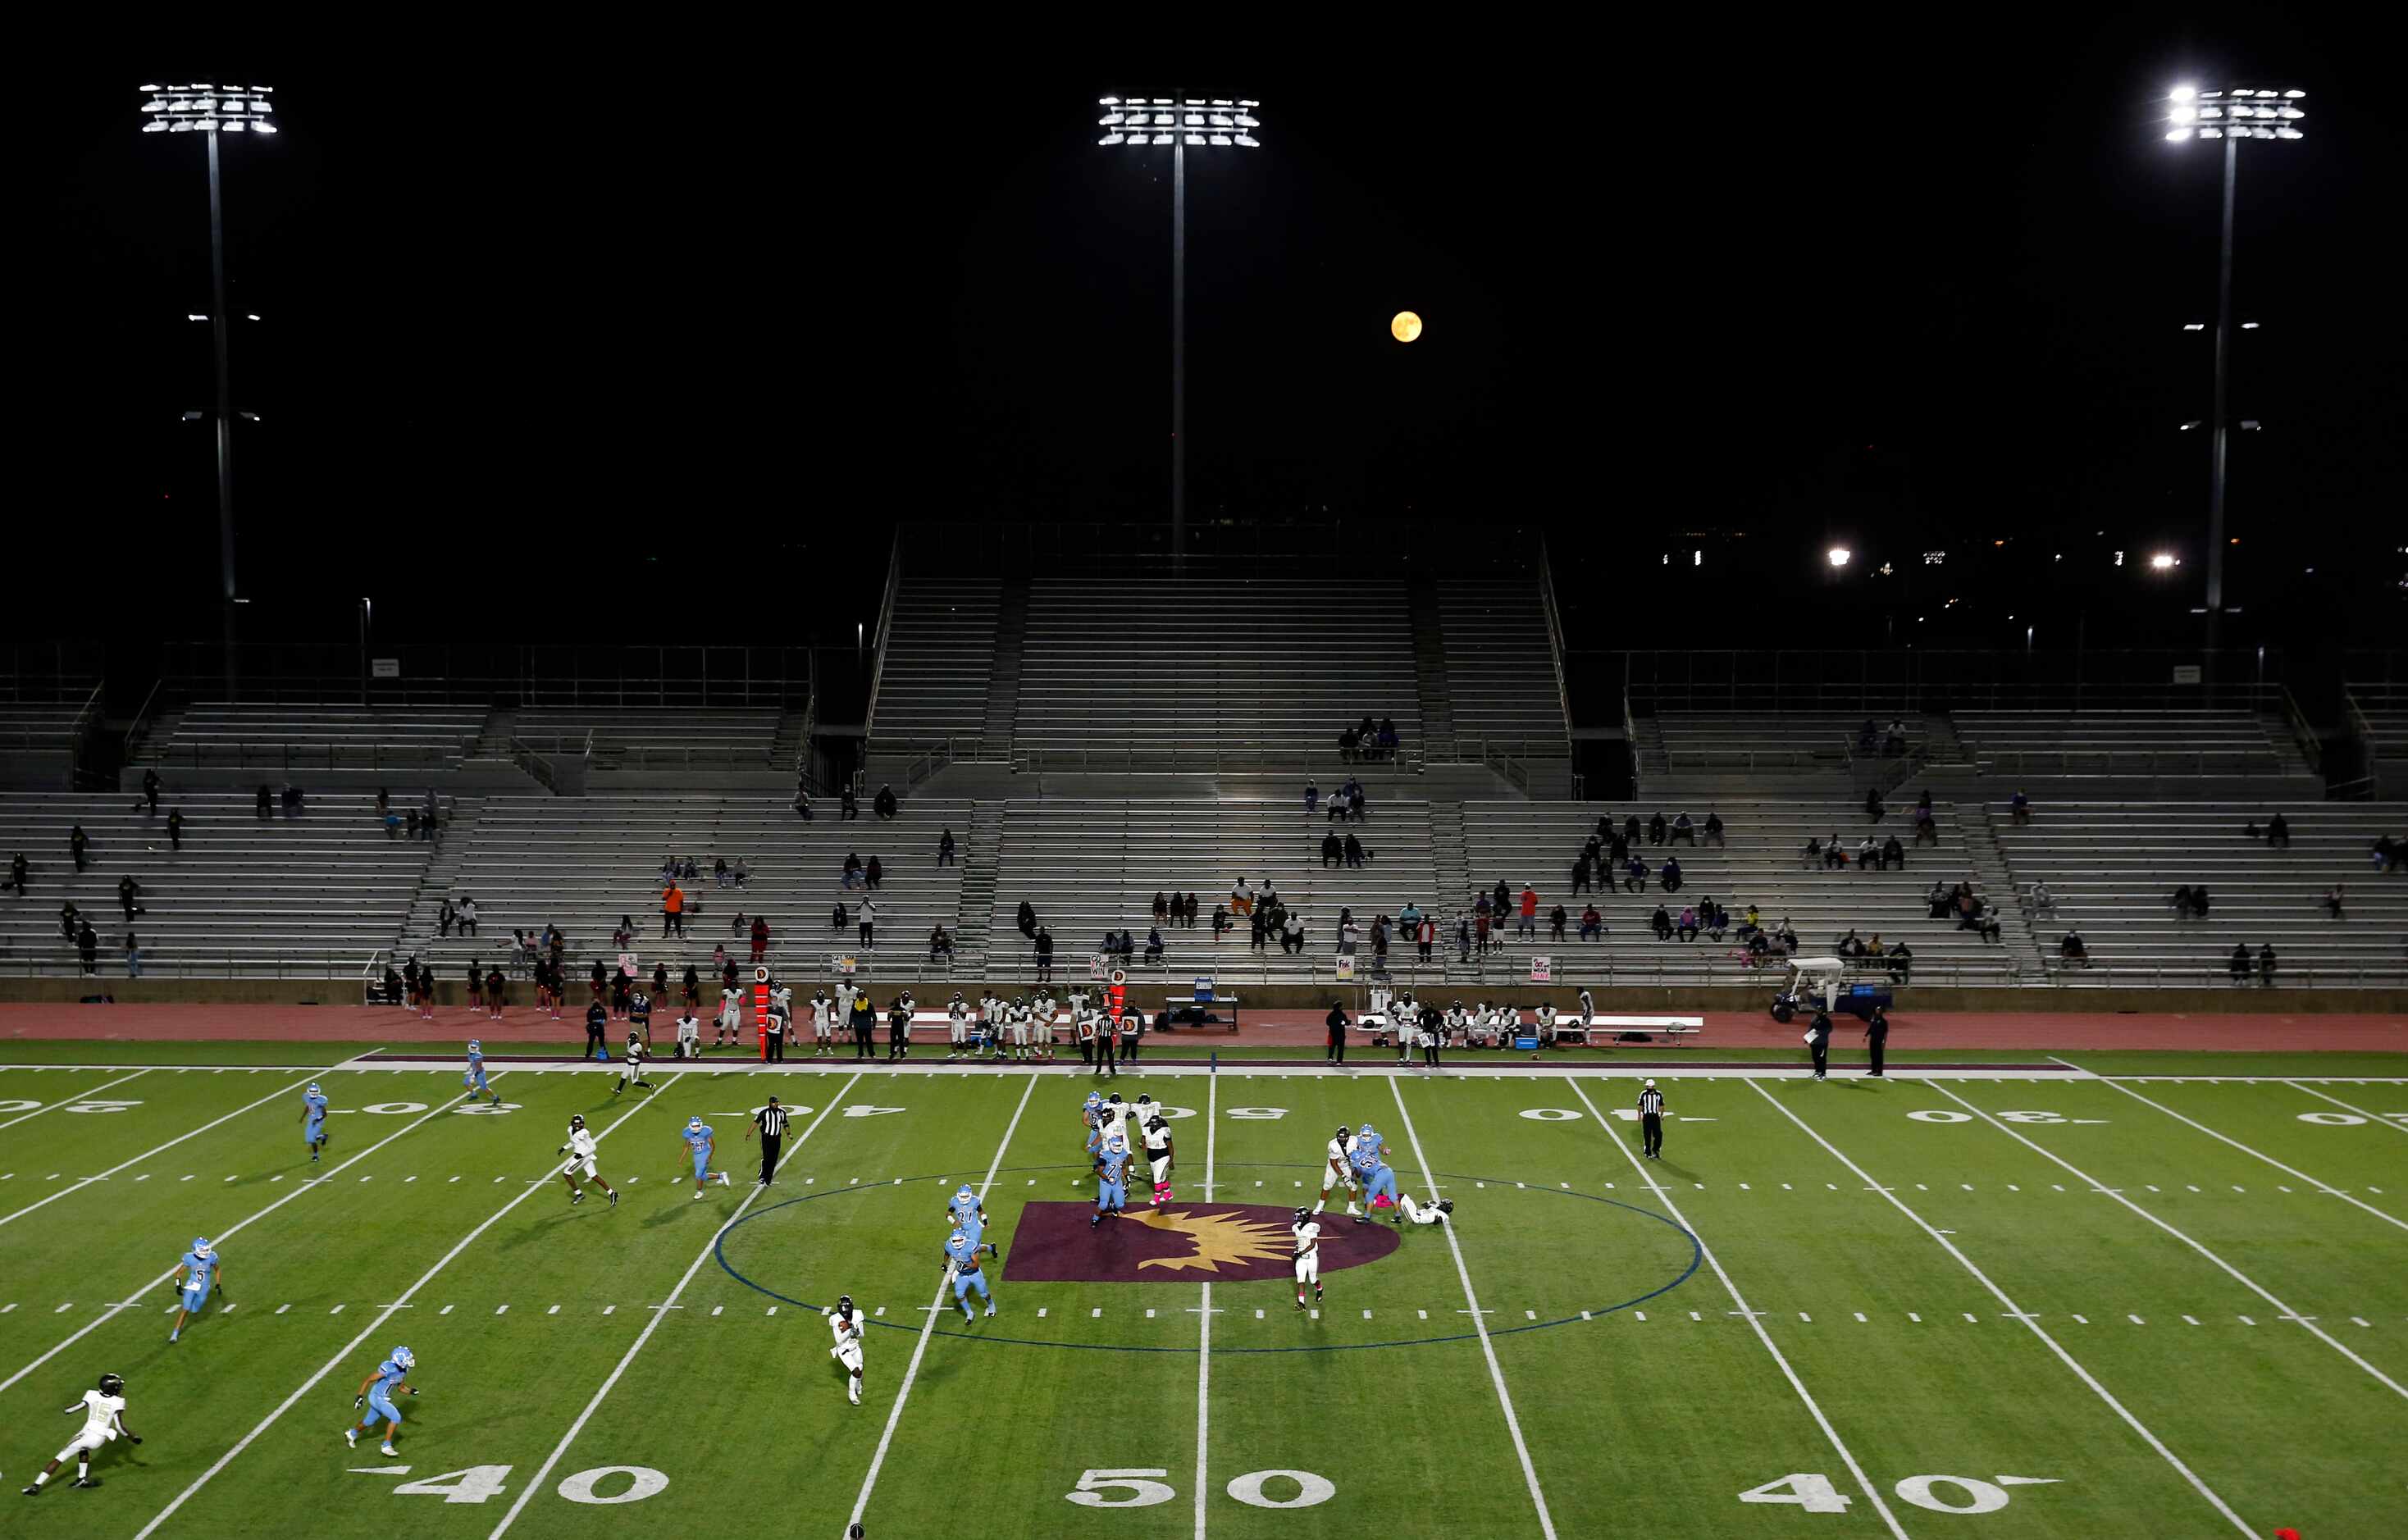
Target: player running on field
(198, 1272)
(375, 1394)
(580, 1150)
(473, 1080)
(1307, 1230)
(1371, 1157)
(1338, 1170)
(313, 1119)
(1158, 1157)
(631, 1068)
(1112, 1179)
(962, 1256)
(702, 1144)
(847, 1351)
(104, 1418)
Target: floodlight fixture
(1838, 555)
(2164, 560)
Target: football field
(1982, 1302)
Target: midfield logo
(1178, 1243)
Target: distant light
(2183, 93)
(1934, 558)
(1696, 557)
(2194, 326)
(248, 316)
(248, 417)
(2248, 326)
(1839, 555)
(2163, 561)
(2119, 558)
(2178, 134)
(193, 416)
(2194, 422)
(189, 316)
(1405, 326)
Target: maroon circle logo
(1179, 1243)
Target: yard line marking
(1204, 1338)
(2393, 1220)
(927, 1329)
(2231, 1271)
(84, 1096)
(2030, 1325)
(138, 1160)
(2393, 1122)
(134, 1294)
(1864, 1482)
(1495, 1370)
(353, 1347)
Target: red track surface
(2026, 1031)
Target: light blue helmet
(1117, 1145)
(404, 1359)
(475, 1047)
(966, 1195)
(1366, 1130)
(313, 1088)
(200, 1245)
(694, 1125)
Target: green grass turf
(1653, 1425)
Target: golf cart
(1817, 983)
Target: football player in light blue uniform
(965, 1203)
(198, 1272)
(962, 1255)
(474, 1080)
(313, 1119)
(702, 1144)
(1112, 1180)
(376, 1394)
(1371, 1156)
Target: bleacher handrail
(1554, 634)
(885, 631)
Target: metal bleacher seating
(1695, 741)
(1087, 865)
(1219, 668)
(939, 660)
(300, 737)
(2125, 742)
(2112, 869)
(1761, 863)
(583, 863)
(312, 895)
(651, 735)
(38, 741)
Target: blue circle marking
(1697, 1259)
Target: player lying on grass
(104, 1418)
(1370, 1157)
(580, 1150)
(375, 1394)
(196, 1272)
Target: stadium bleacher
(939, 658)
(301, 736)
(2125, 741)
(2113, 868)
(648, 736)
(308, 896)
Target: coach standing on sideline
(1818, 1039)
(1430, 1021)
(863, 1019)
(597, 1018)
(1336, 1022)
(1876, 1039)
(1650, 1121)
(771, 1121)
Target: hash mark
(335, 1311)
(1096, 1314)
(553, 1311)
(1860, 1316)
(1040, 1313)
(2136, 1320)
(279, 1310)
(717, 1309)
(445, 1311)
(2192, 1320)
(501, 1309)
(1804, 1317)
(2246, 1321)
(2084, 1319)
(1366, 1315)
(1913, 1317)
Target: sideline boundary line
(2018, 1312)
(1204, 1343)
(298, 1189)
(107, 1085)
(1479, 1322)
(2283, 1311)
(1864, 1482)
(535, 1483)
(2317, 1182)
(928, 1327)
(2392, 1122)
(373, 1327)
(81, 1183)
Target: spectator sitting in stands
(1379, 942)
(851, 876)
(1850, 945)
(1655, 827)
(1311, 796)
(1634, 876)
(884, 803)
(1786, 937)
(1713, 828)
(836, 916)
(1154, 944)
(850, 805)
(743, 874)
(1834, 853)
(1027, 919)
(1926, 829)
(2332, 901)
(1688, 926)
(1941, 899)
(1592, 925)
(1220, 921)
(1894, 854)
(1813, 852)
(691, 873)
(2199, 900)
(2389, 855)
(293, 800)
(1161, 906)
(1354, 806)
(1661, 923)
(1388, 739)
(1258, 929)
(1684, 831)
(2241, 967)
(1672, 875)
(2278, 832)
(1867, 735)
(2266, 964)
(1630, 830)
(1556, 918)
(1873, 948)
(2019, 807)
(1868, 855)
(1292, 934)
(2072, 948)
(1355, 855)
(1895, 743)
(1580, 875)
(945, 848)
(1241, 897)
(939, 944)
(266, 808)
(874, 873)
(17, 874)
(719, 873)
(1618, 846)
(1349, 741)
(1332, 853)
(410, 824)
(1902, 961)
(1716, 918)
(1751, 922)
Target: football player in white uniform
(725, 1031)
(1017, 1018)
(689, 1034)
(1158, 1157)
(1338, 1171)
(957, 1027)
(823, 1024)
(580, 1150)
(1307, 1230)
(847, 1351)
(631, 1067)
(1458, 1025)
(104, 1418)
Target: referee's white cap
(1651, 1085)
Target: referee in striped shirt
(771, 1123)
(1650, 1121)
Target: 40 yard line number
(1814, 1493)
(480, 1483)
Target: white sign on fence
(385, 668)
(1542, 968)
(1345, 966)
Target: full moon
(1406, 327)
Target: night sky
(650, 339)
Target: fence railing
(594, 745)
(885, 627)
(240, 754)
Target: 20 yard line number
(1143, 1488)
(1814, 1492)
(479, 1483)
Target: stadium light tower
(1179, 124)
(212, 111)
(2231, 114)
